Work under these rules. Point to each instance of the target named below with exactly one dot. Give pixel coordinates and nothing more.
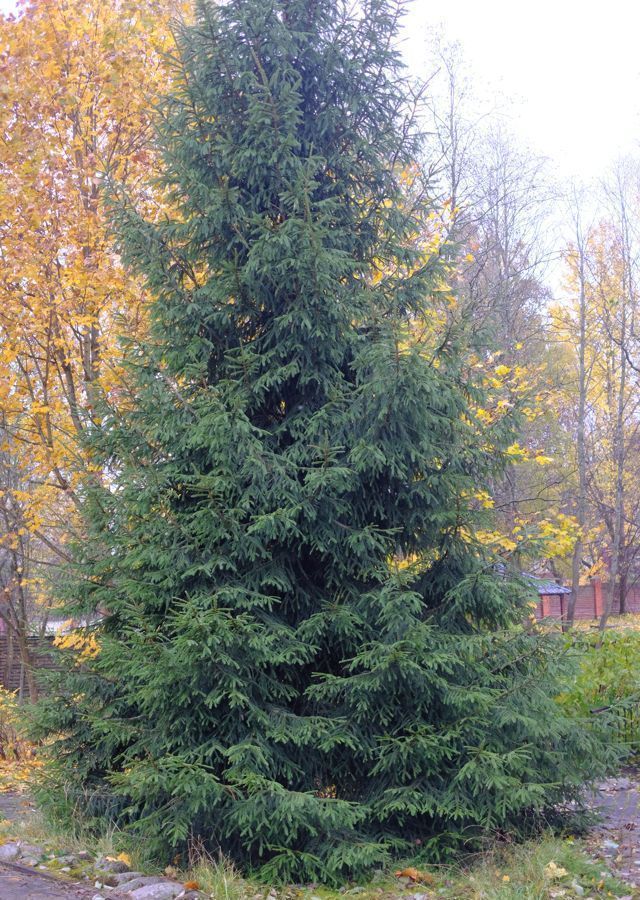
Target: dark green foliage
(271, 680)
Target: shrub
(606, 685)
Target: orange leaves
(16, 775)
(415, 875)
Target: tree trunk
(623, 588)
(619, 460)
(580, 437)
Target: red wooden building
(554, 597)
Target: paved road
(17, 883)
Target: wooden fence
(590, 602)
(12, 669)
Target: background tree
(75, 82)
(601, 403)
(497, 199)
(577, 260)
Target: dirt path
(14, 806)
(20, 883)
(616, 839)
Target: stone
(121, 877)
(9, 852)
(32, 850)
(29, 860)
(113, 879)
(163, 890)
(112, 866)
(141, 881)
(67, 860)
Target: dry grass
(628, 622)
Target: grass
(35, 829)
(539, 869)
(549, 867)
(626, 622)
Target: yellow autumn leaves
(76, 78)
(85, 646)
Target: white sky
(571, 67)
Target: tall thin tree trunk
(618, 460)
(8, 663)
(627, 305)
(580, 441)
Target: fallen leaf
(553, 871)
(415, 875)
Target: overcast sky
(571, 67)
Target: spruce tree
(306, 659)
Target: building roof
(546, 587)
